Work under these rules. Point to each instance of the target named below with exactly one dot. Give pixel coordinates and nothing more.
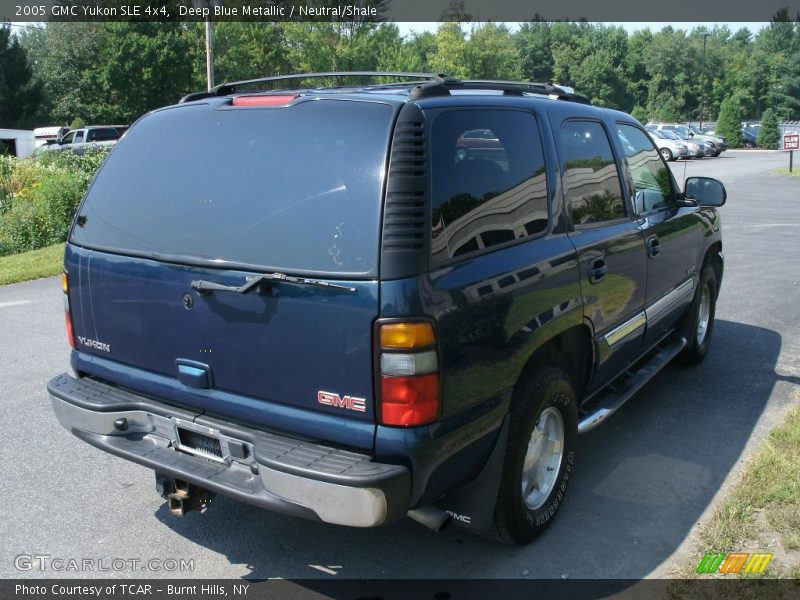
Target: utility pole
(209, 53)
(705, 35)
(208, 5)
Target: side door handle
(653, 246)
(597, 269)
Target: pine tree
(769, 134)
(729, 122)
(20, 93)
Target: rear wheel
(540, 455)
(666, 153)
(699, 323)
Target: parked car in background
(95, 136)
(669, 148)
(750, 135)
(693, 149)
(690, 133)
(708, 149)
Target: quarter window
(489, 181)
(591, 180)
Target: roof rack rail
(443, 87)
(230, 87)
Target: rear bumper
(287, 475)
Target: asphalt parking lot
(642, 482)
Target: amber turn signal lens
(65, 282)
(407, 336)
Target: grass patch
(762, 513)
(785, 171)
(44, 262)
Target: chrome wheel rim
(543, 458)
(703, 315)
(666, 155)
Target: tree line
(63, 73)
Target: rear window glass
(489, 182)
(295, 189)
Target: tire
(544, 401)
(666, 153)
(703, 309)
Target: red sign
(791, 141)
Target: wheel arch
(713, 257)
(572, 351)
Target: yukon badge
(102, 346)
(348, 402)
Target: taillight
(67, 313)
(262, 100)
(409, 374)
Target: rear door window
(591, 180)
(296, 188)
(489, 182)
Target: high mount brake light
(409, 389)
(262, 100)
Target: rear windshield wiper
(252, 282)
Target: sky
(407, 28)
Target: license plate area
(203, 442)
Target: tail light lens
(409, 374)
(67, 313)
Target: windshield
(291, 189)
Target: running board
(636, 381)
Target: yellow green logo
(734, 562)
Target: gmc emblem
(348, 402)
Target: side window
(591, 180)
(79, 137)
(67, 139)
(107, 134)
(488, 180)
(652, 182)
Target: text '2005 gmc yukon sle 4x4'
(319, 300)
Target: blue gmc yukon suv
(362, 301)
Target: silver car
(694, 148)
(689, 133)
(92, 137)
(670, 149)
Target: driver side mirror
(705, 191)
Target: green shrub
(41, 215)
(769, 135)
(729, 122)
(38, 197)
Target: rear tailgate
(236, 196)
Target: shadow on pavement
(641, 484)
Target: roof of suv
(429, 90)
(420, 86)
